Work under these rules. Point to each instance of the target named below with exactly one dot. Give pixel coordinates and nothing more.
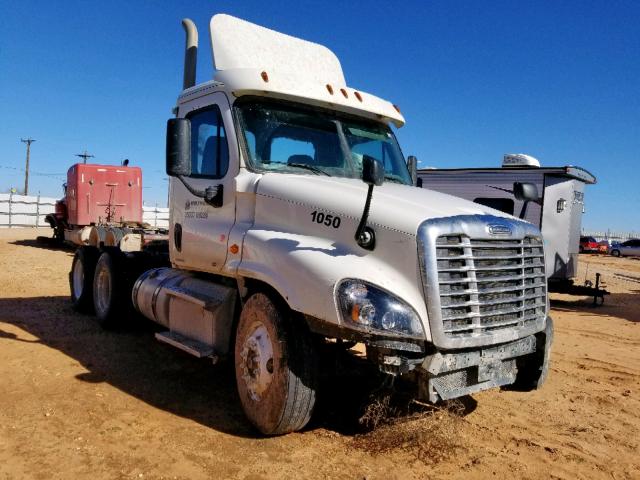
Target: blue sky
(558, 80)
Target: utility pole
(28, 141)
(84, 156)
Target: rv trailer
(557, 210)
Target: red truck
(102, 204)
(589, 244)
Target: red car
(588, 244)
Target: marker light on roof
(264, 76)
(330, 89)
(344, 93)
(358, 96)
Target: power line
(28, 141)
(84, 156)
(34, 173)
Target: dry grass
(430, 433)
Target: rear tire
(276, 367)
(110, 297)
(81, 278)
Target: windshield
(284, 137)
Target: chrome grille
(482, 289)
(488, 285)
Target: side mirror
(178, 147)
(527, 192)
(412, 165)
(372, 171)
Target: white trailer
(294, 221)
(557, 210)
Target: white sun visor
(238, 44)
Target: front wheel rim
(257, 363)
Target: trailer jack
(588, 289)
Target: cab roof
(254, 60)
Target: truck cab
(295, 221)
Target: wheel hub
(257, 361)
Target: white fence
(609, 235)
(30, 211)
(24, 210)
(156, 216)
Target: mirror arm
(365, 236)
(523, 211)
(212, 195)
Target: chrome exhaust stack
(190, 53)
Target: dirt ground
(78, 402)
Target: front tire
(81, 278)
(615, 253)
(275, 366)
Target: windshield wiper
(306, 166)
(393, 178)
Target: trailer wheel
(275, 366)
(81, 278)
(109, 292)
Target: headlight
(369, 308)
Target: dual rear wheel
(98, 286)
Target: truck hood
(393, 206)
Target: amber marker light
(234, 248)
(329, 89)
(264, 76)
(355, 313)
(397, 108)
(358, 96)
(344, 93)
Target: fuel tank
(194, 307)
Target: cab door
(200, 231)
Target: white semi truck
(295, 221)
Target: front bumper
(522, 364)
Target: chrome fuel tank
(197, 308)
